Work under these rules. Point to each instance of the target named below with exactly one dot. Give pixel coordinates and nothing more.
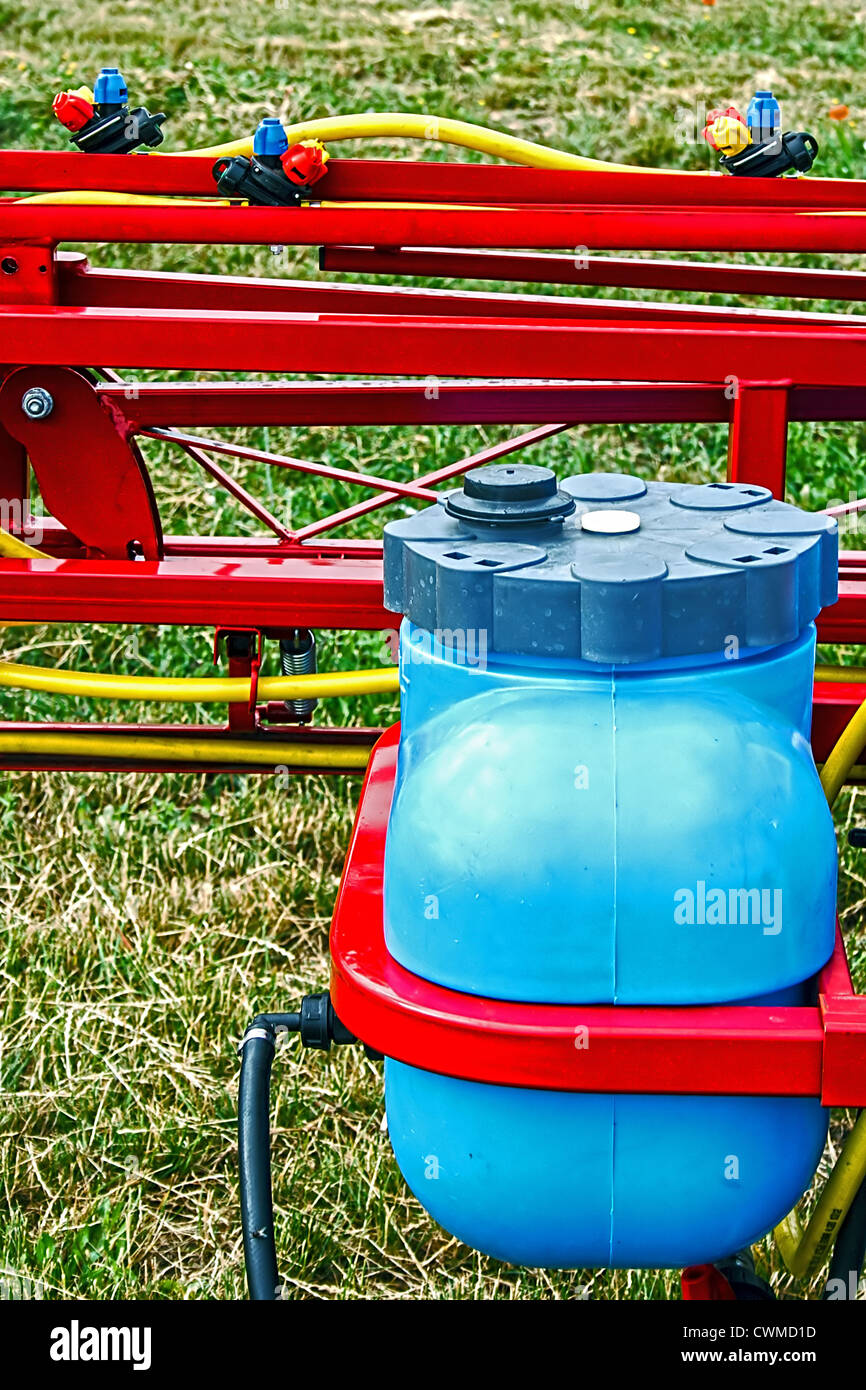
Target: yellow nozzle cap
(729, 136)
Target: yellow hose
(844, 755)
(419, 207)
(158, 748)
(367, 125)
(100, 196)
(803, 1250)
(96, 197)
(840, 674)
(439, 129)
(196, 691)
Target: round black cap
(510, 493)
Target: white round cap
(607, 522)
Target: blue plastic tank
(606, 794)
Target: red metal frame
(512, 267)
(696, 227)
(818, 353)
(657, 362)
(718, 1050)
(423, 181)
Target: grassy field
(145, 920)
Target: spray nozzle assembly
(755, 146)
(101, 121)
(276, 174)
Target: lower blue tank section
(570, 834)
(566, 1180)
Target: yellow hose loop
(435, 129)
(840, 674)
(190, 690)
(104, 196)
(844, 755)
(804, 1251)
(159, 749)
(96, 197)
(383, 125)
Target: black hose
(849, 1251)
(254, 1152)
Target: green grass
(145, 920)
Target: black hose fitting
(747, 1284)
(319, 1026)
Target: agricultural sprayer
(588, 912)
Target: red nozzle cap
(716, 114)
(72, 110)
(724, 111)
(304, 164)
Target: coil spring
(298, 658)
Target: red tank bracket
(718, 1049)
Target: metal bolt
(37, 403)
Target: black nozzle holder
(117, 130)
(257, 182)
(795, 150)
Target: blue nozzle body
(270, 140)
(763, 116)
(109, 89)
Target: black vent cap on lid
(509, 494)
(638, 571)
